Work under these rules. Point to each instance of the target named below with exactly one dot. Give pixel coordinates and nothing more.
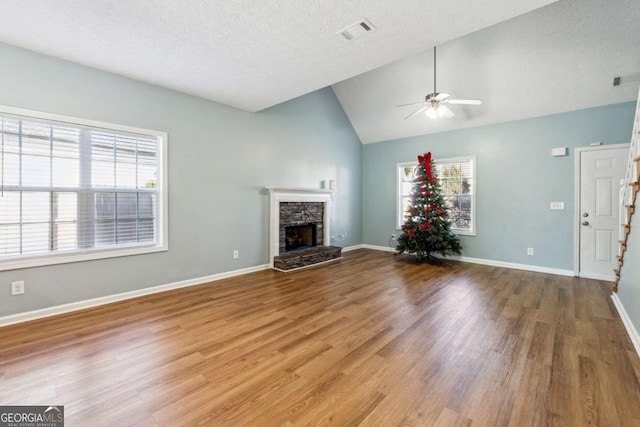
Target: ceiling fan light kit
(432, 113)
(440, 111)
(433, 105)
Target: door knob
(585, 223)
(585, 214)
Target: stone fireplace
(299, 228)
(303, 222)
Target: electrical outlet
(236, 254)
(529, 251)
(17, 288)
(339, 237)
(393, 237)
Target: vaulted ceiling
(523, 59)
(558, 58)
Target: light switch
(557, 206)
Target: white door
(601, 170)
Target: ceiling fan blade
(442, 96)
(444, 111)
(418, 111)
(464, 101)
(407, 105)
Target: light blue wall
(516, 180)
(629, 284)
(219, 160)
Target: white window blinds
(70, 188)
(457, 181)
(456, 178)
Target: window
(73, 190)
(457, 181)
(406, 172)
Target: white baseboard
(626, 320)
(379, 248)
(352, 248)
(527, 267)
(513, 265)
(81, 305)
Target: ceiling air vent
(357, 30)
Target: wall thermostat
(559, 152)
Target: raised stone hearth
(306, 257)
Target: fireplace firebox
(300, 237)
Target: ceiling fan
(434, 103)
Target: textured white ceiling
(558, 58)
(250, 54)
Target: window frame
(460, 159)
(95, 253)
(399, 194)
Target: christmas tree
(427, 229)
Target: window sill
(18, 263)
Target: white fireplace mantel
(283, 194)
(298, 190)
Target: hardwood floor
(370, 340)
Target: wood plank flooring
(371, 340)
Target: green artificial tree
(427, 229)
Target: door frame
(576, 198)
